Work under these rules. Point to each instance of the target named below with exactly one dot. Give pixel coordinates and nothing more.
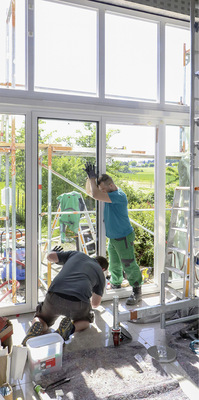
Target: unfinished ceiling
(170, 8)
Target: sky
(133, 137)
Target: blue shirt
(116, 218)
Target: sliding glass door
(66, 214)
(130, 156)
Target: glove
(90, 170)
(58, 249)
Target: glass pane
(12, 44)
(130, 58)
(177, 175)
(65, 48)
(177, 65)
(12, 210)
(67, 215)
(130, 162)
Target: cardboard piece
(12, 363)
(18, 361)
(5, 361)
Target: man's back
(79, 276)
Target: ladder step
(88, 243)
(177, 249)
(177, 271)
(196, 120)
(196, 143)
(181, 208)
(182, 188)
(176, 228)
(84, 230)
(174, 291)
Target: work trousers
(122, 258)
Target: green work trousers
(122, 258)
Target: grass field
(142, 174)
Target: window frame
(34, 104)
(30, 94)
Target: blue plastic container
(20, 270)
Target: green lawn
(142, 174)
(147, 175)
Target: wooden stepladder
(177, 256)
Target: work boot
(35, 330)
(66, 328)
(115, 286)
(136, 295)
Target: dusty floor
(100, 334)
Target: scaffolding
(10, 150)
(51, 150)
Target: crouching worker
(73, 293)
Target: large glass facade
(101, 84)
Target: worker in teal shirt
(119, 231)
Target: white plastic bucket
(44, 354)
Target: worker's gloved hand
(87, 168)
(58, 249)
(90, 170)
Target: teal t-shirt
(116, 218)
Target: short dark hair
(102, 261)
(105, 178)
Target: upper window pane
(65, 48)
(130, 58)
(12, 44)
(177, 65)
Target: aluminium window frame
(29, 94)
(33, 104)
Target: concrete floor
(99, 334)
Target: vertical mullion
(30, 283)
(101, 54)
(30, 34)
(159, 238)
(161, 62)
